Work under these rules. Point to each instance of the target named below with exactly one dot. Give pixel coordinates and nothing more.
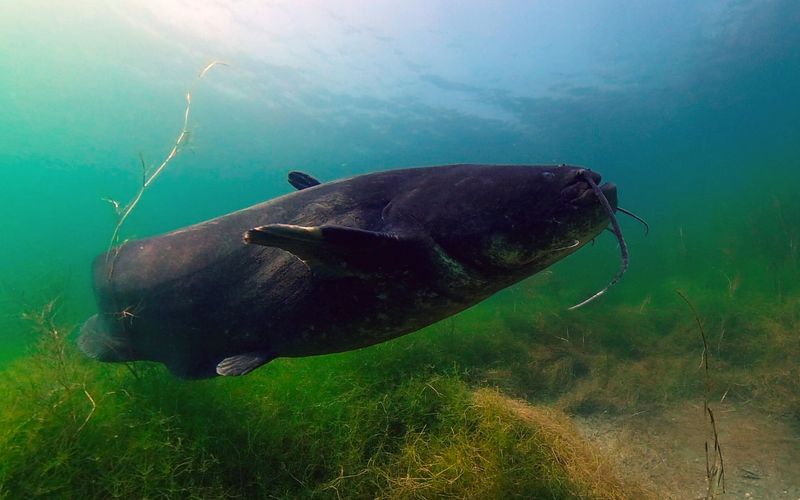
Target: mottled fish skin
(336, 266)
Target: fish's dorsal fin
(301, 180)
(242, 364)
(338, 250)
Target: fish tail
(97, 342)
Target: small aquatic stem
(91, 412)
(174, 151)
(715, 470)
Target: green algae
(72, 427)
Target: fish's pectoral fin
(301, 180)
(339, 250)
(242, 364)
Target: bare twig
(147, 180)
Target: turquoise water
(691, 108)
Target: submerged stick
(147, 180)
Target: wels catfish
(339, 265)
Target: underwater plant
(715, 464)
(75, 428)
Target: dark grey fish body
(335, 266)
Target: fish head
(519, 219)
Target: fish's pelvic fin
(242, 364)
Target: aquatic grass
(715, 463)
(585, 365)
(50, 448)
(333, 426)
(396, 420)
(587, 468)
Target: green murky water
(691, 109)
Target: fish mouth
(579, 193)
